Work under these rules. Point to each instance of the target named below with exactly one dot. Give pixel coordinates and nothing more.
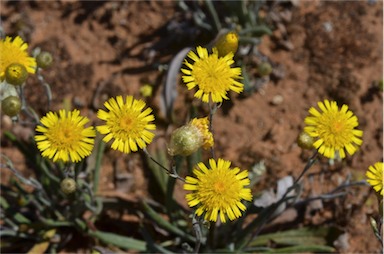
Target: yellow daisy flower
(333, 129)
(218, 191)
(64, 137)
(127, 124)
(15, 51)
(212, 74)
(375, 177)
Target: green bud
(264, 69)
(305, 141)
(16, 74)
(185, 141)
(68, 185)
(44, 59)
(11, 106)
(227, 43)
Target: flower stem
(212, 111)
(171, 173)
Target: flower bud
(227, 43)
(44, 59)
(185, 140)
(68, 185)
(305, 141)
(264, 69)
(11, 106)
(16, 74)
(146, 90)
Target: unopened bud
(44, 59)
(264, 69)
(305, 141)
(146, 90)
(227, 43)
(11, 106)
(185, 141)
(68, 185)
(16, 74)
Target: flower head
(218, 191)
(15, 51)
(333, 129)
(127, 124)
(375, 177)
(64, 137)
(212, 74)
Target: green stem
(212, 111)
(99, 157)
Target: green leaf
(303, 248)
(161, 222)
(119, 241)
(294, 237)
(256, 31)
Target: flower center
(126, 123)
(212, 74)
(219, 187)
(337, 127)
(64, 135)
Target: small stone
(277, 100)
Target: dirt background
(319, 50)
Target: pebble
(277, 100)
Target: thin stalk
(199, 235)
(212, 111)
(99, 157)
(171, 173)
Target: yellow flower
(227, 43)
(375, 177)
(203, 125)
(15, 52)
(218, 191)
(146, 90)
(64, 137)
(127, 124)
(333, 129)
(212, 74)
